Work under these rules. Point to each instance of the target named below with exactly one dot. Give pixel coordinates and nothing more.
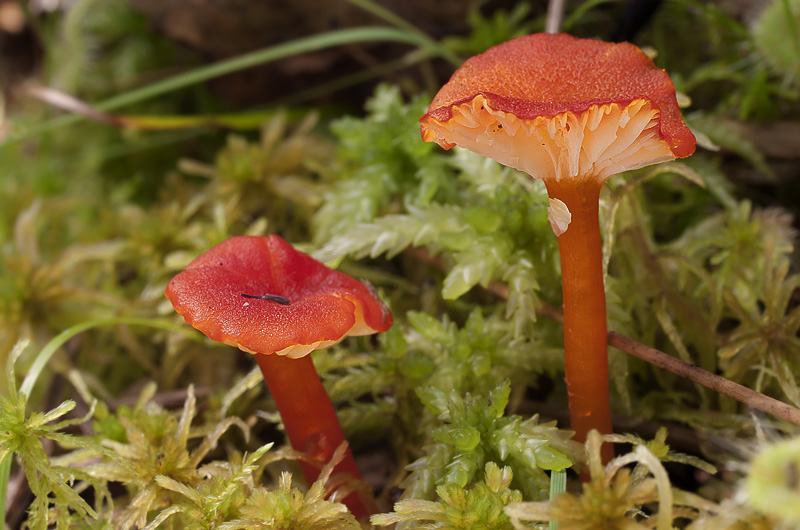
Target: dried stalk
(555, 13)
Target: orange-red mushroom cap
(589, 105)
(326, 304)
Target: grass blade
(558, 485)
(241, 62)
(47, 352)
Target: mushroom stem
(309, 418)
(584, 298)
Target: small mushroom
(265, 297)
(573, 112)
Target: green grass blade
(356, 78)
(558, 485)
(400, 23)
(47, 352)
(5, 471)
(236, 121)
(248, 60)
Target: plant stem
(558, 485)
(584, 299)
(5, 471)
(309, 418)
(555, 14)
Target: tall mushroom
(267, 298)
(572, 112)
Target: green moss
(777, 36)
(95, 221)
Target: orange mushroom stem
(584, 303)
(572, 112)
(308, 306)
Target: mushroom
(573, 112)
(265, 297)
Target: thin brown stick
(748, 396)
(555, 13)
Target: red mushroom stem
(309, 418)
(584, 299)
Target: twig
(748, 396)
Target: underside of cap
(597, 143)
(293, 352)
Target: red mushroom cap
(543, 77)
(326, 305)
